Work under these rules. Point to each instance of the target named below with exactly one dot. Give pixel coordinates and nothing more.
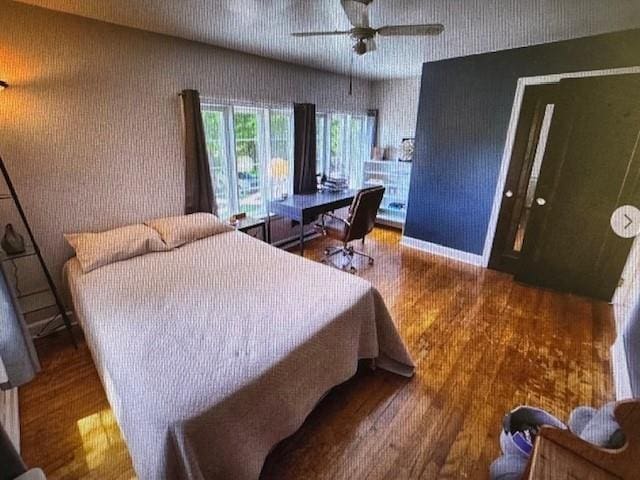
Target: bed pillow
(176, 231)
(95, 250)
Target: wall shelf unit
(394, 175)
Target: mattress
(212, 353)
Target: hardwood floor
(482, 344)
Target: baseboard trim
(621, 379)
(294, 241)
(443, 251)
(10, 415)
(618, 355)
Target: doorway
(575, 160)
(524, 170)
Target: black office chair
(361, 220)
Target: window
(281, 137)
(249, 164)
(338, 156)
(344, 145)
(246, 142)
(242, 143)
(359, 149)
(214, 128)
(320, 143)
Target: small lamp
(3, 85)
(279, 171)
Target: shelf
(377, 184)
(36, 302)
(30, 294)
(400, 218)
(39, 309)
(382, 162)
(392, 173)
(387, 162)
(29, 252)
(387, 174)
(395, 213)
(387, 199)
(393, 209)
(387, 208)
(394, 176)
(399, 197)
(390, 222)
(375, 181)
(397, 185)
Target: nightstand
(247, 224)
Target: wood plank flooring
(482, 344)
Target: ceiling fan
(364, 35)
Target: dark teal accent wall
(463, 115)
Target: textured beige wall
(397, 101)
(90, 127)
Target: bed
(212, 353)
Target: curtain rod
(278, 105)
(235, 102)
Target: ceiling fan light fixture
(360, 47)
(364, 35)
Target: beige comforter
(212, 353)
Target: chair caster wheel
(352, 270)
(371, 261)
(327, 251)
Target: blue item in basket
(520, 427)
(596, 426)
(519, 430)
(397, 205)
(523, 444)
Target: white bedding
(212, 353)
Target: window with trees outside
(251, 153)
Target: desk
(246, 224)
(305, 208)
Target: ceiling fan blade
(317, 34)
(357, 12)
(371, 45)
(422, 30)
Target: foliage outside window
(249, 168)
(249, 147)
(215, 138)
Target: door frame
(543, 127)
(523, 82)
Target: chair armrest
(335, 217)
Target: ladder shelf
(33, 250)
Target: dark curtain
(17, 353)
(304, 165)
(199, 195)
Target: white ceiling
(262, 27)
